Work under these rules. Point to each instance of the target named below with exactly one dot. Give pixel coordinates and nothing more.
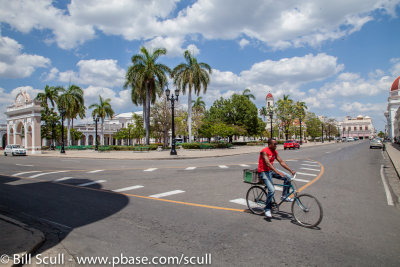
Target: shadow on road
(56, 209)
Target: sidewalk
(163, 155)
(393, 151)
(17, 238)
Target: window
(366, 128)
(360, 128)
(349, 129)
(268, 104)
(355, 128)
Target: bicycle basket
(251, 176)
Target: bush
(240, 143)
(190, 145)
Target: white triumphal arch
(23, 123)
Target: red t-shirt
(262, 166)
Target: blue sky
(340, 57)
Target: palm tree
(191, 75)
(50, 94)
(199, 104)
(72, 100)
(247, 94)
(263, 112)
(147, 79)
(102, 110)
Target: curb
(35, 234)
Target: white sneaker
(289, 199)
(268, 214)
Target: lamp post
(301, 138)
(172, 99)
(96, 119)
(322, 132)
(271, 113)
(62, 113)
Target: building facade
(360, 127)
(392, 111)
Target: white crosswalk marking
(63, 179)
(244, 165)
(309, 174)
(223, 166)
(45, 173)
(301, 180)
(311, 165)
(24, 165)
(95, 171)
(94, 182)
(190, 168)
(291, 160)
(20, 173)
(307, 161)
(309, 169)
(240, 201)
(167, 193)
(150, 169)
(128, 188)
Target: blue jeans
(267, 177)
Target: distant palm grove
(226, 120)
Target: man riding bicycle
(267, 171)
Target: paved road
(102, 208)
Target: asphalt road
(123, 211)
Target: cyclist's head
(272, 144)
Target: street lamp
(271, 113)
(96, 119)
(62, 113)
(172, 99)
(322, 132)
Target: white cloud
(95, 73)
(395, 70)
(243, 42)
(14, 64)
(120, 101)
(363, 107)
(173, 46)
(279, 25)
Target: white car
(350, 139)
(14, 150)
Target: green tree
(285, 113)
(146, 75)
(72, 100)
(162, 121)
(199, 108)
(300, 113)
(381, 134)
(138, 130)
(247, 94)
(191, 76)
(102, 110)
(263, 112)
(313, 124)
(50, 94)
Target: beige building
(360, 127)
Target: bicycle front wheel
(256, 198)
(307, 210)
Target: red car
(291, 144)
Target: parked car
(291, 144)
(375, 143)
(350, 139)
(14, 150)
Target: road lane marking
(223, 166)
(45, 173)
(95, 171)
(315, 179)
(309, 174)
(63, 179)
(383, 155)
(94, 182)
(311, 165)
(386, 187)
(241, 201)
(128, 188)
(307, 161)
(167, 193)
(190, 168)
(150, 169)
(301, 180)
(291, 160)
(244, 165)
(20, 173)
(24, 165)
(303, 168)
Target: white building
(360, 127)
(393, 110)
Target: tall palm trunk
(69, 132)
(147, 113)
(144, 114)
(190, 114)
(102, 132)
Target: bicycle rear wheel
(256, 199)
(307, 210)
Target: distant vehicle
(375, 143)
(14, 150)
(350, 139)
(291, 144)
(344, 139)
(356, 139)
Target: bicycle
(306, 209)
